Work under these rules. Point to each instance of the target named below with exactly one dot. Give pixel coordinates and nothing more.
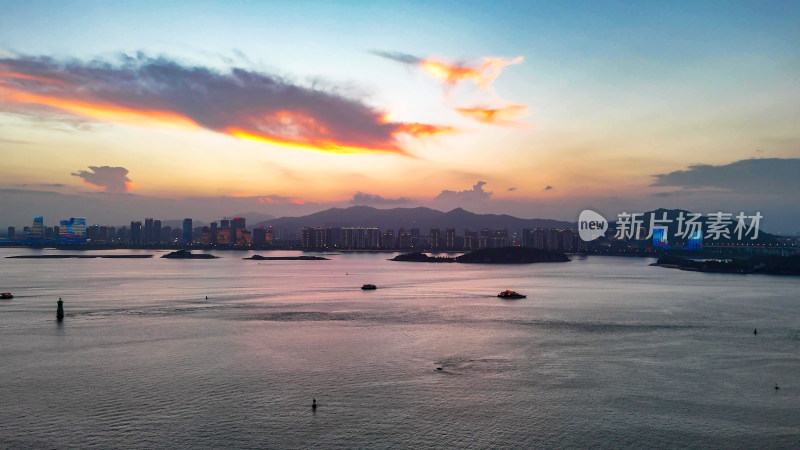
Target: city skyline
(532, 109)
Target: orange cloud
(483, 75)
(496, 116)
(417, 129)
(99, 111)
(247, 105)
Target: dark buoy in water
(60, 310)
(314, 404)
(776, 386)
(206, 297)
(755, 331)
(439, 368)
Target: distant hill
(407, 218)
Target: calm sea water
(604, 352)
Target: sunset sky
(123, 110)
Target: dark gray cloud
(749, 176)
(240, 102)
(548, 188)
(361, 198)
(111, 179)
(404, 58)
(512, 189)
(476, 194)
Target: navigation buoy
(60, 310)
(755, 331)
(313, 403)
(776, 386)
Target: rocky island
(503, 255)
(186, 254)
(766, 264)
(79, 256)
(287, 258)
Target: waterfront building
(187, 231)
(148, 230)
(259, 235)
(450, 238)
(434, 239)
(36, 233)
(156, 232)
(387, 239)
(72, 231)
(136, 232)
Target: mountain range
(407, 218)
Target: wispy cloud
(242, 103)
(481, 74)
(111, 179)
(497, 116)
(451, 73)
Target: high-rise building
(552, 239)
(499, 238)
(37, 230)
(450, 238)
(223, 236)
(527, 237)
(348, 237)
(238, 222)
(333, 237)
(373, 238)
(415, 237)
(187, 231)
(567, 238)
(387, 240)
(540, 238)
(166, 234)
(307, 237)
(156, 231)
(72, 231)
(405, 240)
(237, 227)
(148, 230)
(259, 235)
(12, 233)
(214, 232)
(434, 239)
(469, 241)
(136, 232)
(205, 238)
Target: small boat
(6, 295)
(369, 287)
(510, 294)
